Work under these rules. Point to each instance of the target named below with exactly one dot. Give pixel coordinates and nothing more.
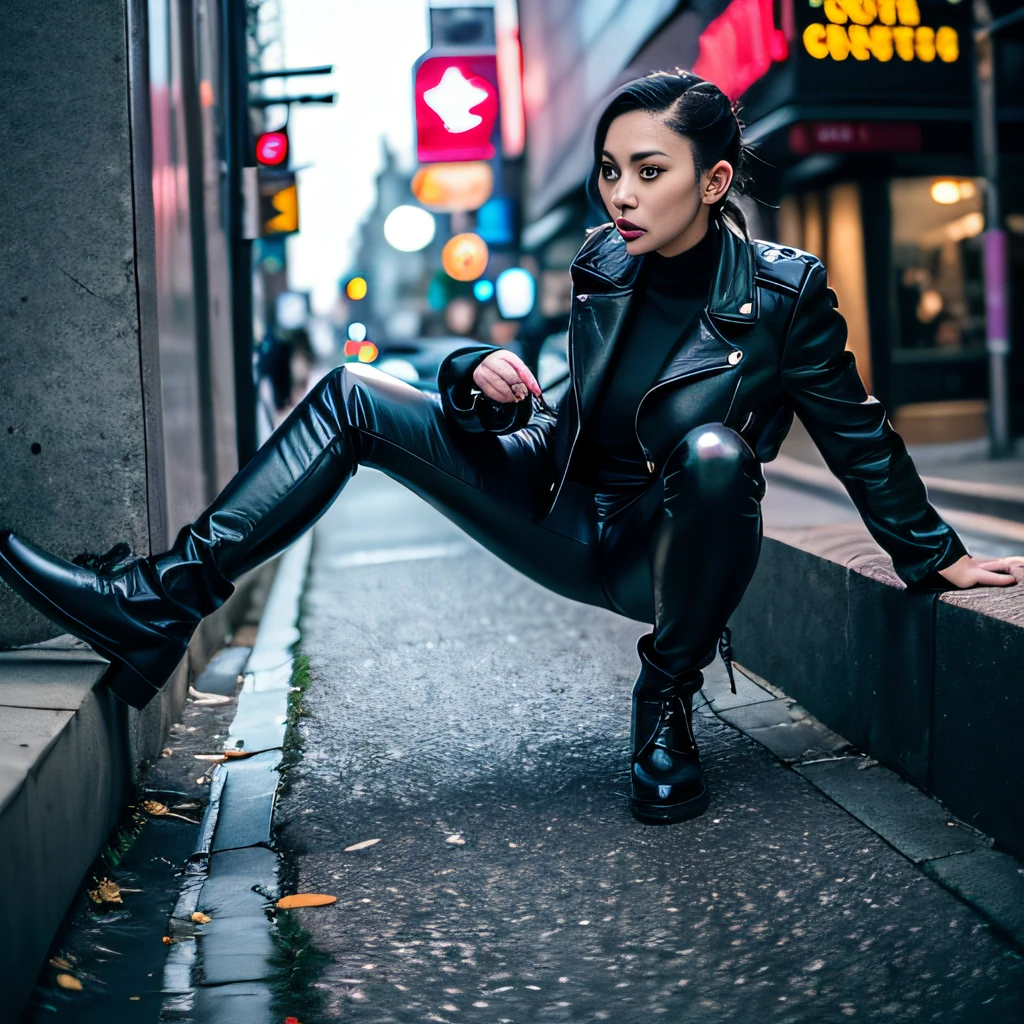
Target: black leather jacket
(770, 343)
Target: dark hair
(694, 108)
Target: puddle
(117, 954)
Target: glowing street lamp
(409, 228)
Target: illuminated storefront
(865, 133)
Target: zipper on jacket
(662, 384)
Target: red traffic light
(272, 148)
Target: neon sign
(456, 107)
(882, 29)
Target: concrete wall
(72, 441)
(116, 369)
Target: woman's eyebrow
(645, 154)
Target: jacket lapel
(703, 350)
(598, 319)
(604, 276)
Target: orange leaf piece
(306, 899)
(201, 918)
(70, 982)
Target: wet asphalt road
(478, 727)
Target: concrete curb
(222, 971)
(950, 852)
(892, 670)
(69, 756)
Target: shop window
(937, 267)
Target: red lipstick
(628, 229)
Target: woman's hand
(504, 377)
(985, 572)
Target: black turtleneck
(670, 293)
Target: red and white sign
(456, 108)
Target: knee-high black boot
(666, 779)
(142, 614)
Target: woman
(691, 348)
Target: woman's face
(650, 187)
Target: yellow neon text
(862, 41)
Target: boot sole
(125, 681)
(668, 814)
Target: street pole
(236, 93)
(997, 298)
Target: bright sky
(372, 45)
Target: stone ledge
(927, 683)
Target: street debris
(201, 918)
(456, 840)
(305, 899)
(70, 982)
(159, 810)
(361, 846)
(200, 697)
(868, 762)
(106, 891)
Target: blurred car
(417, 361)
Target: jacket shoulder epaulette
(781, 267)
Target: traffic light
(272, 148)
(279, 203)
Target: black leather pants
(680, 554)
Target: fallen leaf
(237, 754)
(305, 899)
(361, 846)
(159, 810)
(868, 762)
(60, 962)
(110, 891)
(456, 839)
(69, 981)
(166, 752)
(167, 940)
(201, 918)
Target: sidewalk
(476, 727)
(958, 476)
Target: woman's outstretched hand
(985, 572)
(504, 377)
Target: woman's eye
(608, 172)
(649, 173)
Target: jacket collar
(604, 265)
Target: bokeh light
(409, 228)
(516, 291)
(483, 290)
(356, 288)
(464, 257)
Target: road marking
(409, 553)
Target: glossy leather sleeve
(474, 412)
(853, 433)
